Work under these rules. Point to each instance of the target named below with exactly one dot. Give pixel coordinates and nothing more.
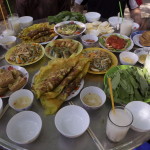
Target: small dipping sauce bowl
(89, 40)
(92, 16)
(25, 21)
(21, 100)
(8, 41)
(128, 58)
(92, 97)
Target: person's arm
(136, 15)
(135, 11)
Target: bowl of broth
(21, 100)
(92, 97)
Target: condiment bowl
(24, 127)
(92, 97)
(142, 54)
(72, 121)
(26, 21)
(128, 58)
(141, 115)
(114, 21)
(92, 16)
(135, 26)
(89, 40)
(8, 41)
(21, 100)
(8, 32)
(1, 105)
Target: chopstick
(10, 146)
(91, 133)
(4, 110)
(2, 57)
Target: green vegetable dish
(129, 83)
(66, 16)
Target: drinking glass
(126, 26)
(118, 123)
(13, 22)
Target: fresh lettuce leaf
(67, 16)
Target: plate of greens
(67, 16)
(129, 83)
(116, 42)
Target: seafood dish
(55, 82)
(12, 78)
(38, 33)
(101, 60)
(25, 54)
(63, 48)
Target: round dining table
(50, 138)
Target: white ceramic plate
(22, 70)
(124, 36)
(136, 40)
(73, 93)
(135, 37)
(76, 92)
(141, 115)
(82, 25)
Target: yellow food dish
(25, 54)
(38, 33)
(101, 59)
(63, 48)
